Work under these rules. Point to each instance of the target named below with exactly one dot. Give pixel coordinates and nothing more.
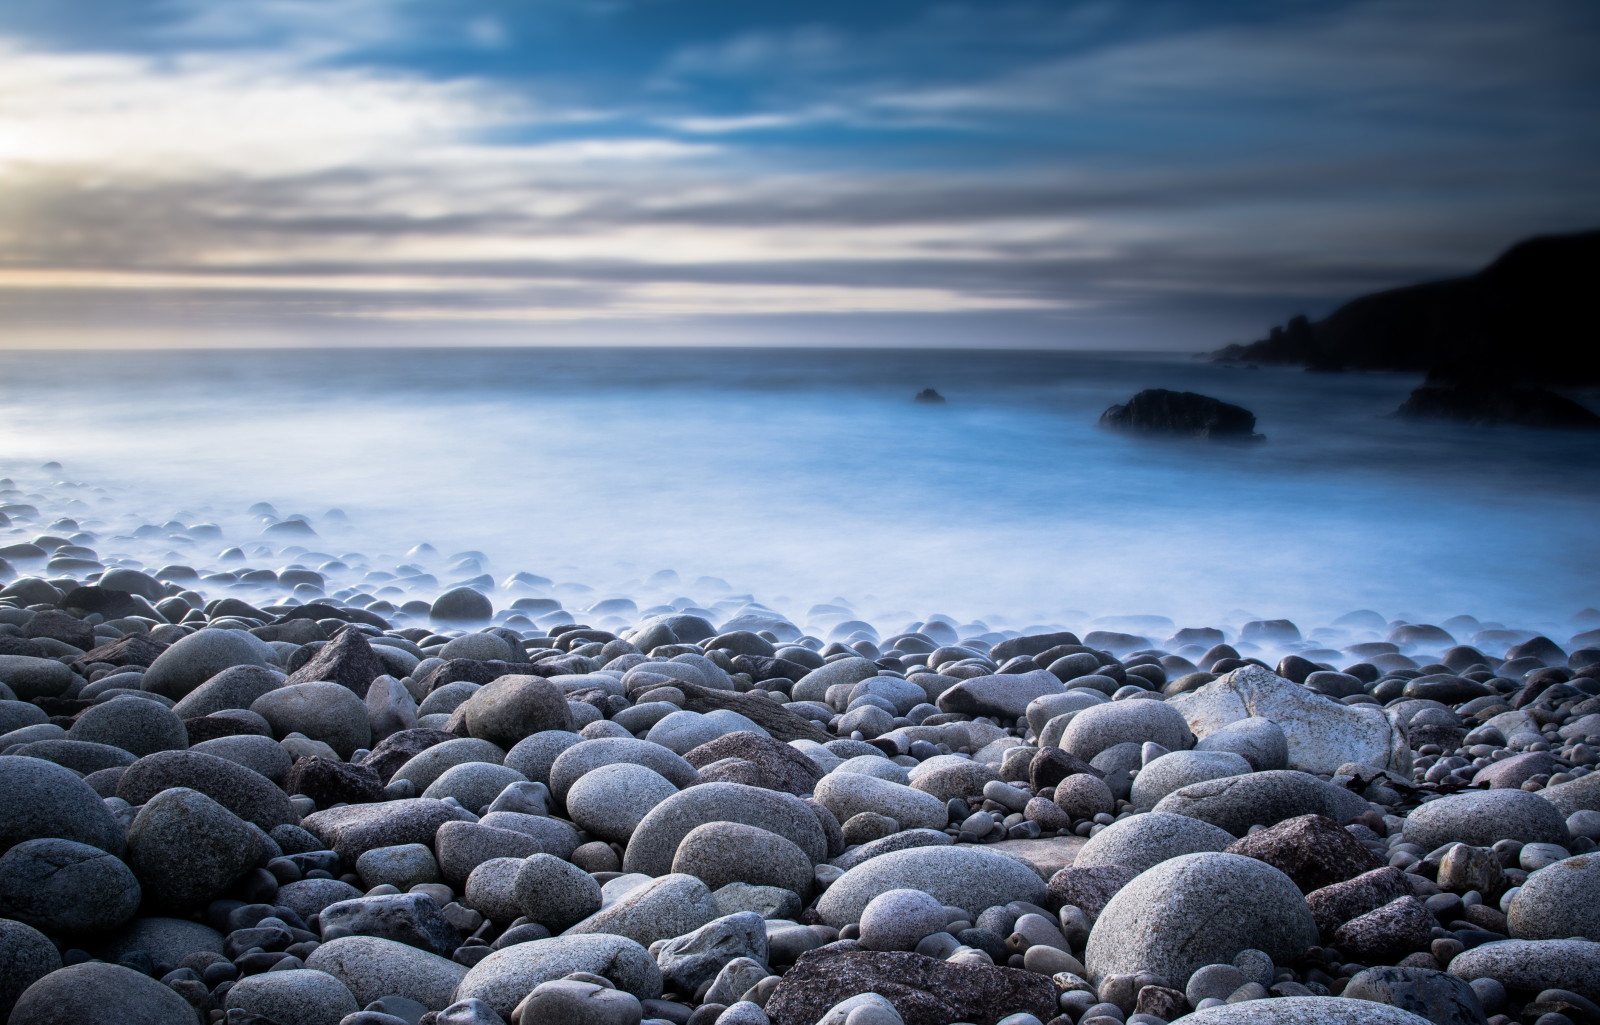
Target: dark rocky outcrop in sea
(1158, 411)
(1528, 317)
(929, 396)
(1488, 402)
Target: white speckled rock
(373, 967)
(505, 977)
(1143, 841)
(610, 801)
(1322, 734)
(849, 793)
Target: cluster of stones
(301, 812)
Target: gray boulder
(356, 829)
(1178, 769)
(1141, 842)
(39, 799)
(583, 758)
(1482, 818)
(655, 841)
(515, 707)
(1527, 967)
(66, 887)
(429, 764)
(554, 893)
(26, 956)
(1098, 727)
(610, 801)
(322, 711)
(299, 996)
(372, 967)
(1195, 910)
(1261, 742)
(135, 724)
(505, 977)
(29, 677)
(99, 992)
(1235, 803)
(694, 959)
(235, 687)
(660, 909)
(194, 659)
(719, 853)
(967, 877)
(1558, 902)
(1437, 996)
(243, 791)
(410, 918)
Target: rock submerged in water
(1159, 411)
(1486, 403)
(929, 396)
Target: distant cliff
(1531, 317)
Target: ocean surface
(798, 476)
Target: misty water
(800, 475)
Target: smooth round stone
(1178, 769)
(1436, 995)
(503, 979)
(657, 909)
(1098, 727)
(1082, 796)
(233, 688)
(848, 793)
(610, 801)
(579, 1002)
(134, 724)
(371, 968)
(166, 940)
(554, 893)
(1140, 842)
(1304, 1011)
(186, 849)
(26, 955)
(258, 754)
(482, 647)
(1482, 818)
(489, 890)
(900, 919)
(584, 757)
(967, 877)
(1195, 910)
(1560, 901)
(1236, 803)
(307, 897)
(66, 887)
(98, 992)
(321, 710)
(513, 707)
(474, 785)
(655, 841)
(357, 828)
(39, 799)
(448, 698)
(29, 677)
(401, 866)
(875, 765)
(194, 659)
(1531, 966)
(423, 768)
(719, 853)
(461, 605)
(241, 790)
(300, 996)
(683, 731)
(1258, 741)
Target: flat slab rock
(925, 991)
(1049, 855)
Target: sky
(1137, 175)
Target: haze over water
(801, 475)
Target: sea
(806, 476)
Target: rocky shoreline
(245, 780)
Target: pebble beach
(254, 770)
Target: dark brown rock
(132, 650)
(777, 766)
(1089, 887)
(347, 660)
(60, 626)
(398, 748)
(110, 603)
(1399, 927)
(1334, 905)
(763, 668)
(1310, 849)
(923, 990)
(12, 645)
(1033, 644)
(1052, 765)
(1163, 1002)
(328, 782)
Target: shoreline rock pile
(308, 804)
